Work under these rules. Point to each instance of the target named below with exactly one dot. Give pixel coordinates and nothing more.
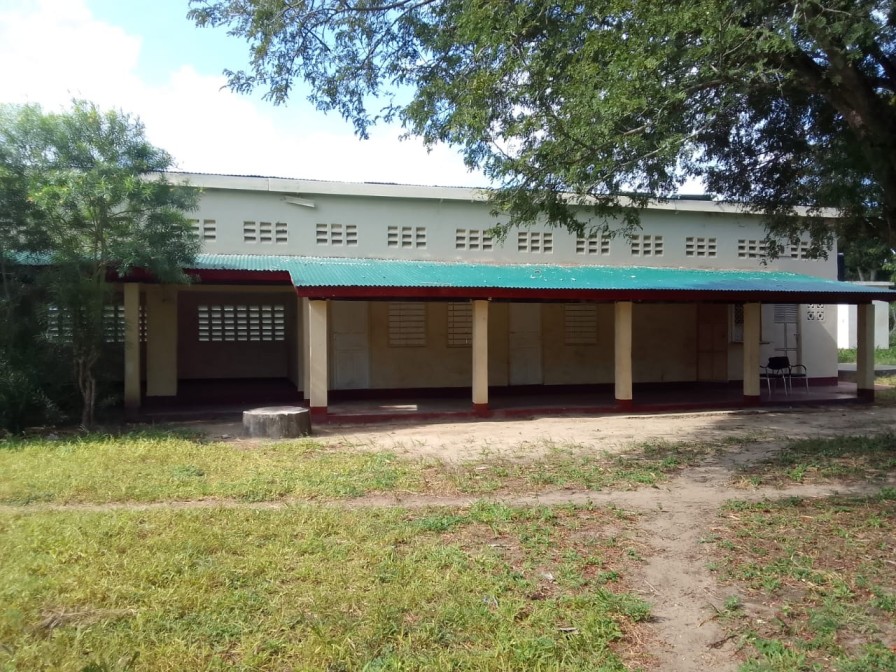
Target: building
(388, 289)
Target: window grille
(594, 243)
(205, 230)
(647, 246)
(535, 242)
(59, 324)
(815, 312)
(406, 237)
(752, 248)
(472, 239)
(336, 234)
(580, 324)
(800, 250)
(460, 325)
(240, 323)
(407, 325)
(699, 247)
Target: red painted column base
(625, 404)
(481, 410)
(865, 395)
(751, 400)
(318, 413)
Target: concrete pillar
(131, 346)
(623, 354)
(318, 367)
(161, 341)
(752, 338)
(865, 352)
(305, 346)
(480, 357)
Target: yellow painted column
(623, 354)
(318, 367)
(865, 351)
(752, 337)
(480, 357)
(305, 346)
(161, 341)
(131, 346)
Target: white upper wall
(254, 215)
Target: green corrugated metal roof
(356, 272)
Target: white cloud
(59, 51)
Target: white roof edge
(283, 185)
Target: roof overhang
(360, 278)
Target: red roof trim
(606, 295)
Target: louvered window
(460, 325)
(407, 325)
(237, 323)
(535, 242)
(594, 243)
(647, 246)
(407, 237)
(472, 239)
(752, 248)
(699, 247)
(580, 324)
(206, 230)
(337, 234)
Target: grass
(485, 588)
(819, 582)
(151, 467)
(881, 355)
(844, 458)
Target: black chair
(778, 368)
(797, 371)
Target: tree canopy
(775, 105)
(83, 193)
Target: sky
(146, 58)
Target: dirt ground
(674, 577)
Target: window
(736, 327)
(233, 323)
(800, 250)
(59, 324)
(460, 325)
(205, 229)
(580, 324)
(264, 232)
(406, 237)
(535, 242)
(815, 312)
(337, 234)
(647, 246)
(699, 247)
(472, 239)
(752, 248)
(407, 325)
(594, 243)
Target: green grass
(487, 588)
(841, 458)
(822, 569)
(146, 467)
(151, 467)
(881, 355)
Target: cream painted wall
(161, 345)
(577, 364)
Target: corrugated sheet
(354, 272)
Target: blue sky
(146, 58)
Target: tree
(773, 104)
(96, 206)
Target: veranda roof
(339, 277)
